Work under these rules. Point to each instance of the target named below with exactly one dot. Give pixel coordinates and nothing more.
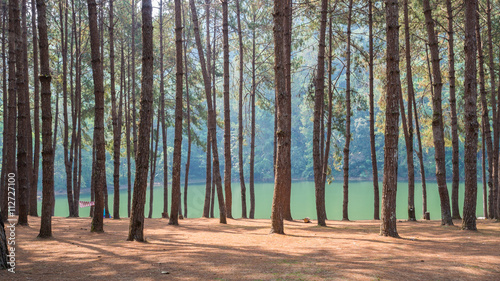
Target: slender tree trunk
(211, 114)
(493, 101)
(188, 109)
(129, 148)
(345, 215)
(393, 93)
(437, 118)
(163, 123)
(484, 103)
(471, 124)
(376, 207)
(136, 228)
(63, 12)
(227, 113)
(330, 100)
(22, 122)
(453, 106)
(116, 201)
(47, 148)
(283, 131)
(287, 214)
(176, 165)
(10, 140)
(318, 105)
(208, 189)
(29, 128)
(252, 131)
(134, 119)
(240, 116)
(408, 126)
(77, 127)
(100, 156)
(3, 176)
(114, 116)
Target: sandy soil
(203, 249)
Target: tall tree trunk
(376, 201)
(101, 34)
(345, 203)
(77, 124)
(211, 113)
(114, 116)
(116, 202)
(318, 105)
(100, 156)
(252, 130)
(176, 164)
(134, 118)
(23, 121)
(5, 114)
(47, 148)
(471, 124)
(408, 126)
(10, 141)
(454, 122)
(283, 131)
(136, 229)
(63, 14)
(163, 123)
(128, 145)
(496, 117)
(484, 109)
(330, 99)
(287, 214)
(390, 184)
(188, 109)
(437, 118)
(208, 187)
(227, 113)
(240, 116)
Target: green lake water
(302, 201)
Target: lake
(303, 201)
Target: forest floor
(203, 249)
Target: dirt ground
(203, 249)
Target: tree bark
(345, 216)
(134, 118)
(163, 123)
(227, 113)
(176, 165)
(376, 201)
(454, 122)
(208, 187)
(136, 228)
(211, 113)
(154, 153)
(100, 156)
(408, 126)
(188, 109)
(252, 130)
(437, 118)
(471, 124)
(10, 140)
(114, 116)
(240, 115)
(22, 122)
(390, 184)
(484, 103)
(318, 106)
(47, 148)
(3, 175)
(287, 214)
(283, 131)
